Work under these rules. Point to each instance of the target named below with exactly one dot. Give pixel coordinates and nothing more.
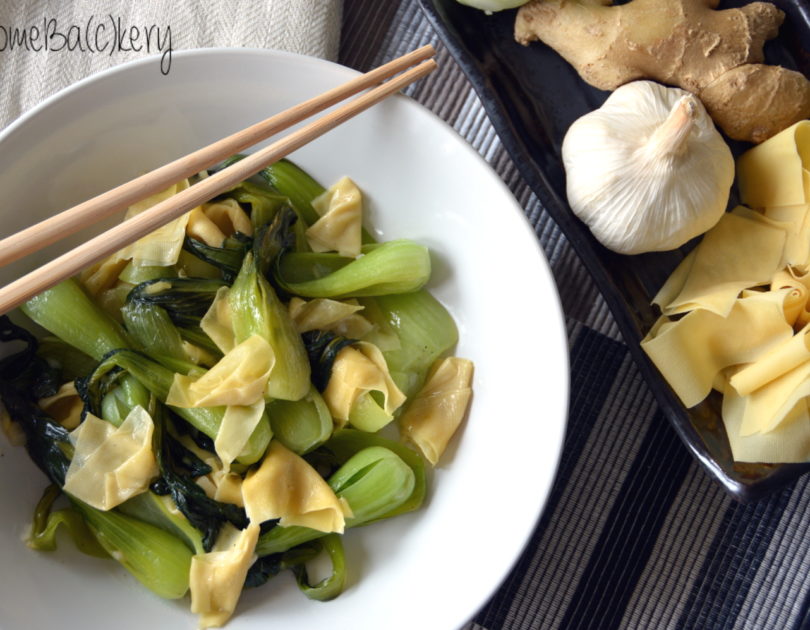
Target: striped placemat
(635, 534)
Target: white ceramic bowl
(429, 569)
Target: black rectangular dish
(532, 96)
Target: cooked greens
(264, 438)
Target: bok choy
(240, 395)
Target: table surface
(634, 534)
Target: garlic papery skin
(647, 171)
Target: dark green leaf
(227, 258)
(185, 299)
(204, 513)
(322, 348)
(24, 378)
(271, 565)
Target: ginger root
(716, 55)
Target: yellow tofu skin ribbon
(111, 464)
(216, 578)
(286, 487)
(239, 378)
(340, 227)
(358, 371)
(437, 410)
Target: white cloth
(34, 65)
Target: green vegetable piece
(256, 310)
(375, 482)
(71, 361)
(227, 258)
(186, 300)
(47, 522)
(270, 566)
(157, 510)
(399, 266)
(160, 561)
(263, 202)
(134, 273)
(156, 558)
(152, 329)
(197, 337)
(296, 267)
(158, 380)
(204, 513)
(331, 586)
(368, 414)
(301, 425)
(425, 331)
(295, 184)
(67, 312)
(123, 398)
(344, 444)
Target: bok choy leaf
(204, 513)
(185, 299)
(227, 258)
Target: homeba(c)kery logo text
(96, 35)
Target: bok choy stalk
(67, 312)
(345, 443)
(160, 561)
(263, 202)
(135, 274)
(301, 425)
(126, 394)
(374, 481)
(257, 310)
(399, 266)
(152, 329)
(158, 380)
(296, 266)
(156, 558)
(71, 361)
(160, 512)
(424, 329)
(47, 521)
(295, 184)
(331, 586)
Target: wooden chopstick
(93, 210)
(101, 246)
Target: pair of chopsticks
(104, 205)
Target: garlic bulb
(647, 171)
